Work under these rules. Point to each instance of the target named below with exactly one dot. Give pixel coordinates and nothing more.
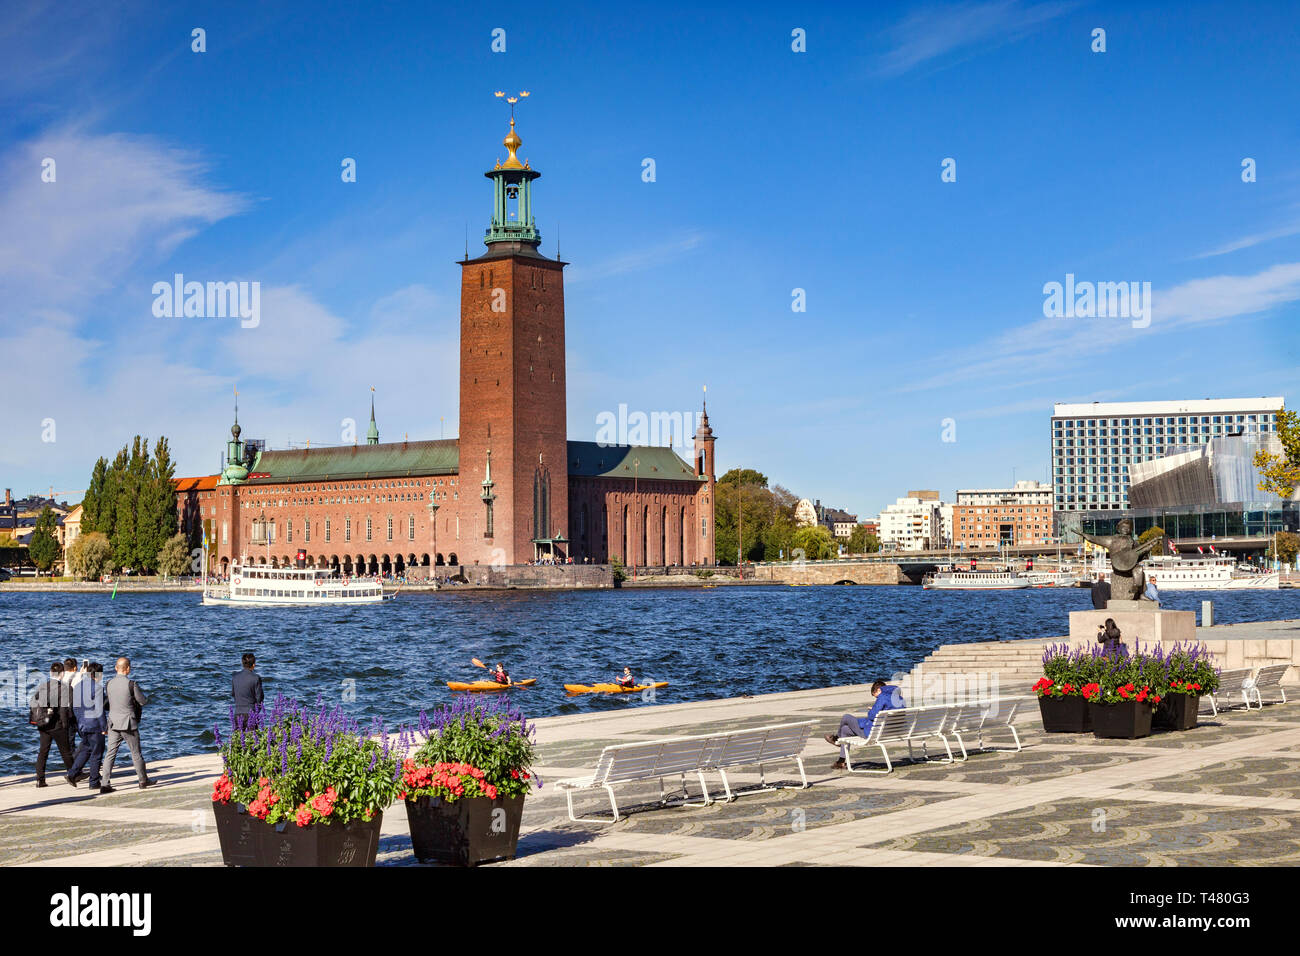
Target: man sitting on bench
(888, 697)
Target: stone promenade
(1226, 793)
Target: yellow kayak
(488, 685)
(610, 688)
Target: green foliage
(703, 573)
(1284, 545)
(91, 504)
(616, 566)
(488, 737)
(816, 543)
(1153, 532)
(1281, 473)
(133, 502)
(768, 518)
(174, 557)
(89, 556)
(287, 758)
(1188, 665)
(44, 546)
(862, 541)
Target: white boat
(259, 585)
(1218, 573)
(949, 579)
(1065, 578)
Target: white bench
(628, 763)
(1232, 685)
(679, 756)
(978, 716)
(904, 725)
(1266, 678)
(760, 745)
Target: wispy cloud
(1049, 348)
(115, 201)
(935, 31)
(636, 260)
(1245, 242)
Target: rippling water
(716, 642)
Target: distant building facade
(991, 517)
(912, 523)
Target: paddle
(478, 663)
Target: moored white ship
(1218, 573)
(1064, 578)
(260, 585)
(950, 579)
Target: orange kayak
(610, 688)
(488, 685)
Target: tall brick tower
(512, 388)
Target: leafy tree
(174, 556)
(616, 566)
(1281, 473)
(1155, 532)
(862, 541)
(92, 502)
(156, 507)
(816, 542)
(90, 556)
(44, 547)
(1286, 544)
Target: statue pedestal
(1139, 622)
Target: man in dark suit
(55, 693)
(123, 696)
(246, 689)
(88, 705)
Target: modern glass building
(1205, 491)
(1096, 446)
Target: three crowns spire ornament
(512, 142)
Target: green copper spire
(512, 199)
(372, 433)
(236, 469)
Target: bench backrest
(1271, 676)
(653, 758)
(786, 740)
(931, 721)
(892, 725)
(1230, 682)
(969, 716)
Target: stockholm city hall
(512, 489)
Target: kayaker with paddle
(887, 697)
(626, 680)
(500, 676)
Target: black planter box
(240, 834)
(1065, 715)
(464, 832)
(1126, 720)
(247, 841)
(1177, 711)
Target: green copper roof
(410, 459)
(350, 462)
(592, 460)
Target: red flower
(514, 774)
(303, 816)
(490, 791)
(1091, 690)
(222, 789)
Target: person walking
(52, 716)
(69, 670)
(246, 688)
(88, 706)
(125, 702)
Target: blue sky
(775, 170)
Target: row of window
(1090, 423)
(322, 593)
(347, 529)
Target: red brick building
(511, 489)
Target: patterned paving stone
(33, 839)
(1109, 833)
(1245, 777)
(772, 814)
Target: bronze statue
(1127, 581)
